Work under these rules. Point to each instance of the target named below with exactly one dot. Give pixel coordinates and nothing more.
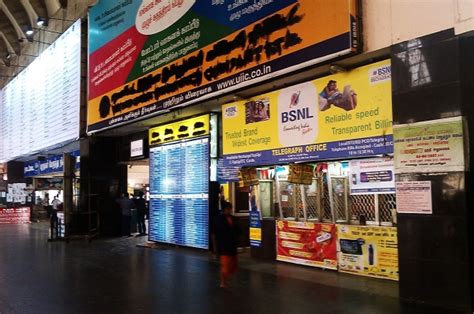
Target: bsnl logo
(295, 114)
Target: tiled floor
(116, 276)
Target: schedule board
(179, 199)
(40, 107)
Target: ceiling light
(29, 31)
(41, 21)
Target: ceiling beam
(30, 11)
(7, 43)
(12, 19)
(52, 6)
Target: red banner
(14, 215)
(307, 243)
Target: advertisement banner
(368, 251)
(307, 243)
(19, 215)
(255, 228)
(148, 56)
(343, 115)
(430, 146)
(372, 176)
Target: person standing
(126, 205)
(46, 205)
(227, 232)
(141, 206)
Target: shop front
(48, 187)
(316, 162)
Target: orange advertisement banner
(307, 243)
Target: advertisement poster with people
(344, 115)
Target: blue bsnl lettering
(294, 115)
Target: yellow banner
(368, 251)
(180, 130)
(313, 118)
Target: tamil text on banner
(430, 146)
(14, 215)
(372, 176)
(368, 251)
(307, 243)
(340, 116)
(148, 56)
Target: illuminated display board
(40, 107)
(179, 185)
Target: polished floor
(117, 276)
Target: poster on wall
(179, 183)
(430, 146)
(414, 197)
(255, 228)
(148, 56)
(344, 115)
(368, 251)
(307, 243)
(372, 176)
(300, 174)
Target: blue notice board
(179, 193)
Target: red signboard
(14, 215)
(307, 243)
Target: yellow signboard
(342, 115)
(368, 251)
(180, 130)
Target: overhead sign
(181, 130)
(53, 164)
(340, 116)
(430, 146)
(368, 251)
(307, 243)
(372, 176)
(148, 56)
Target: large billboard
(343, 115)
(148, 56)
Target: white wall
(387, 22)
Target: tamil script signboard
(149, 56)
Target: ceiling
(17, 49)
